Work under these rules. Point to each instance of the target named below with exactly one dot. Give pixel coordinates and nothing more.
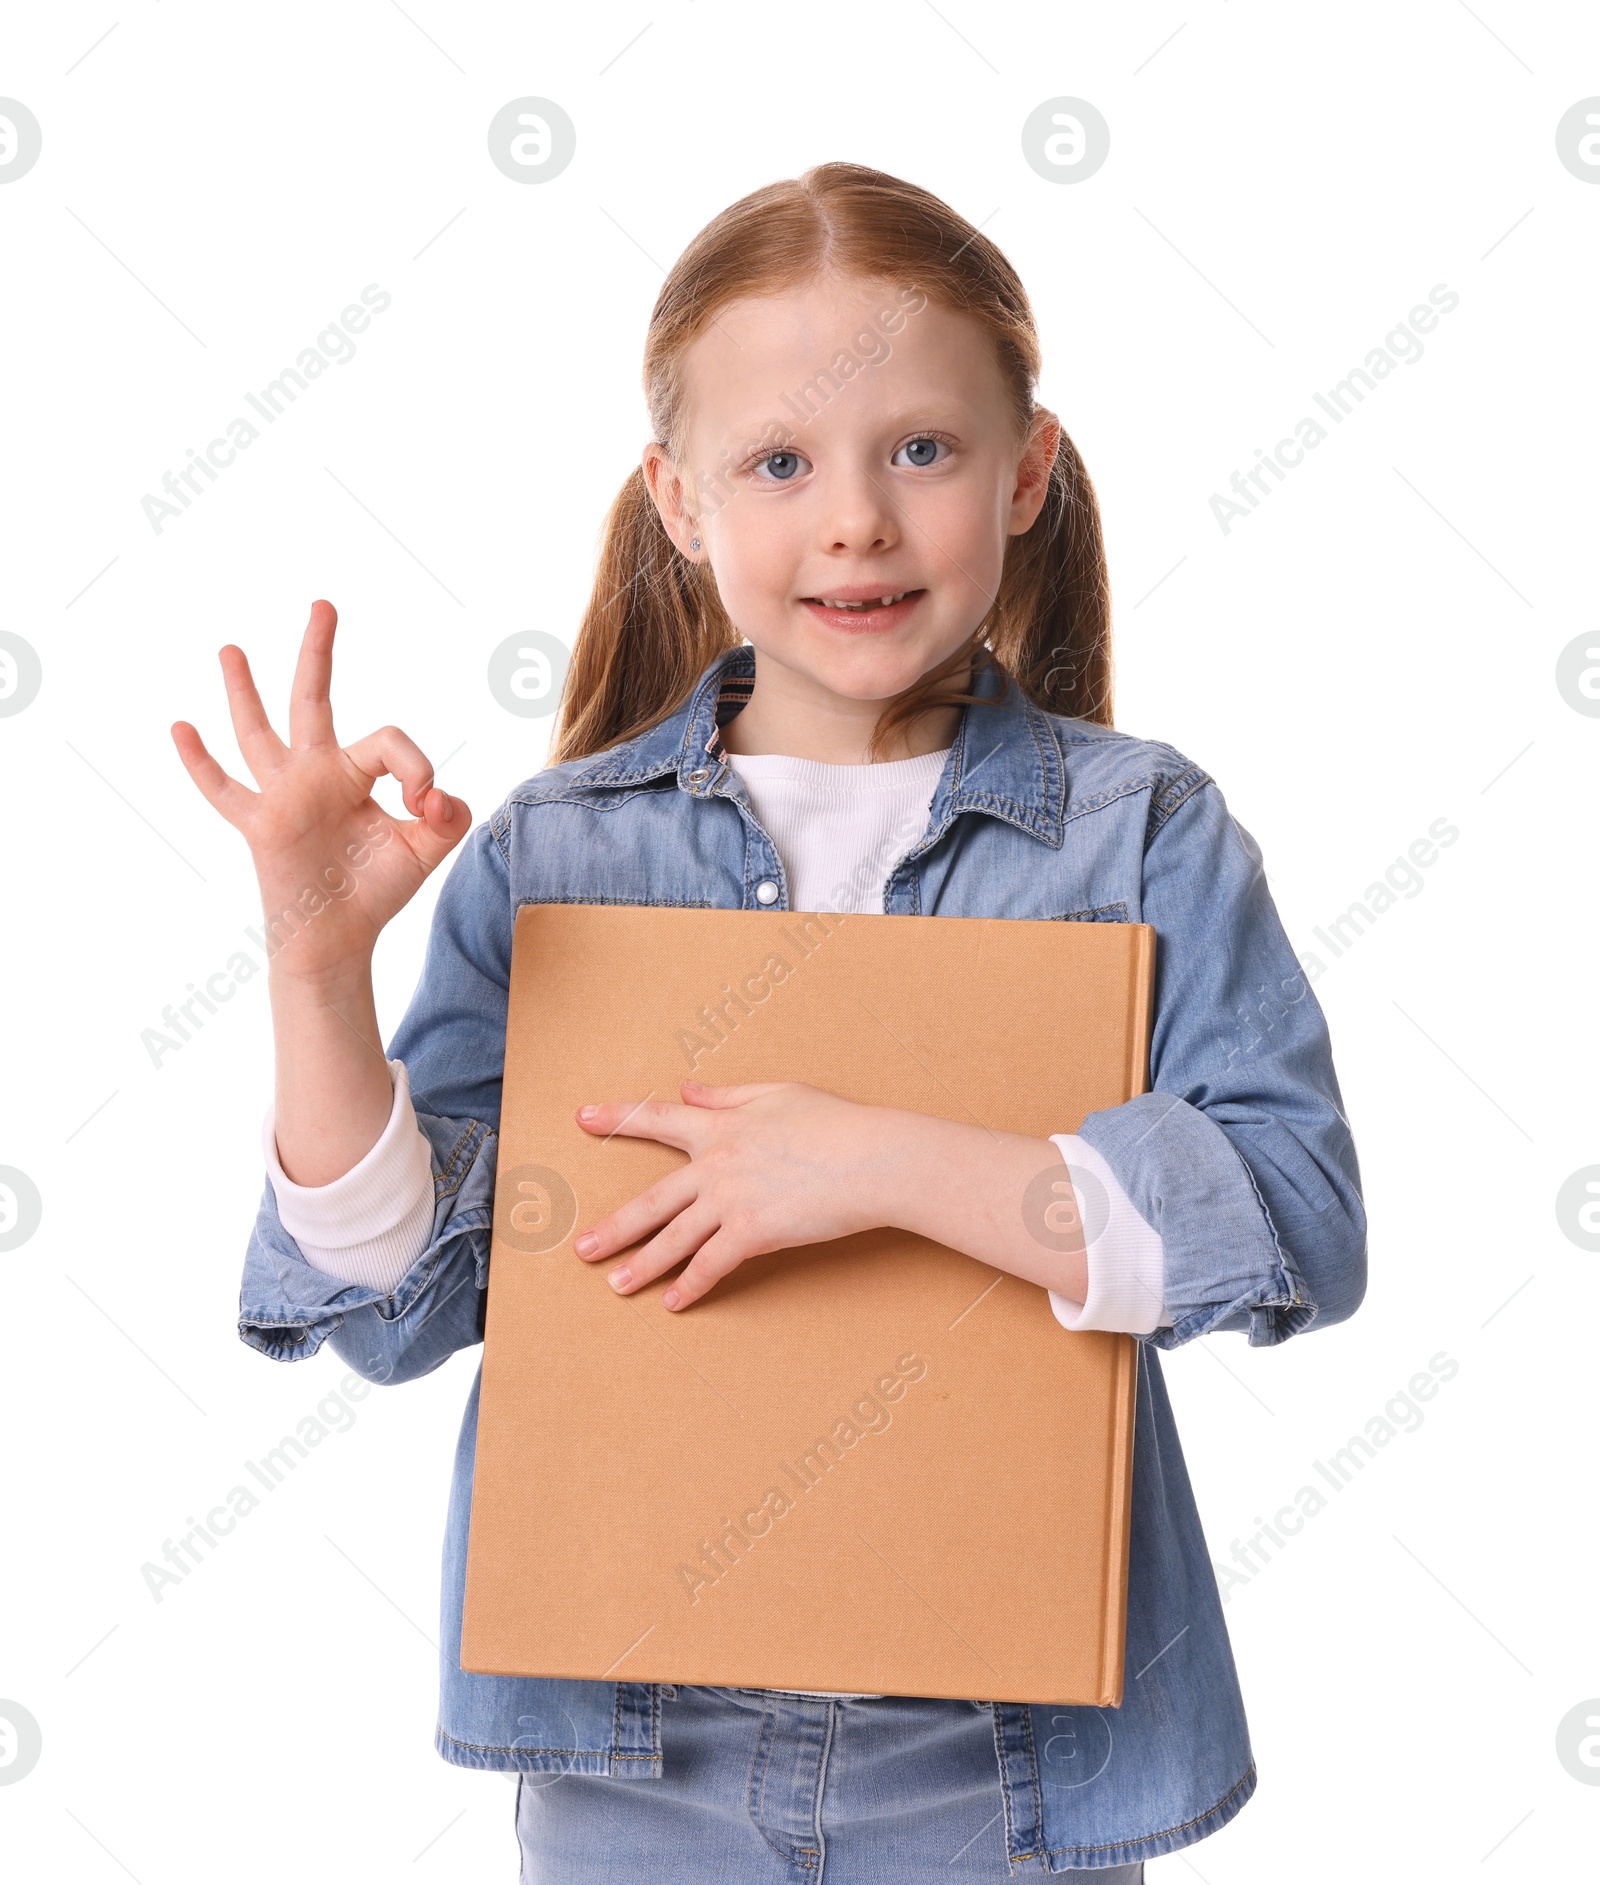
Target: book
(872, 1465)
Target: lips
(868, 602)
(857, 611)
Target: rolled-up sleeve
(1123, 1258)
(452, 1042)
(1240, 1156)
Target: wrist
(977, 1190)
(331, 985)
(919, 1157)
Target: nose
(859, 515)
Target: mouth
(858, 614)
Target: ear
(1033, 471)
(667, 490)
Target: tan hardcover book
(872, 1465)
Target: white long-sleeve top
(839, 831)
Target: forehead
(749, 370)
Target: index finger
(310, 711)
(648, 1118)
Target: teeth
(882, 602)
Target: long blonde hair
(655, 620)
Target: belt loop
(1019, 1780)
(636, 1732)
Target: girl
(848, 649)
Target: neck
(788, 713)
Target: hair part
(655, 620)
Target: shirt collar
(1005, 760)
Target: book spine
(1141, 1000)
(1119, 1517)
(1119, 1475)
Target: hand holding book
(777, 1164)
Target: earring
(694, 543)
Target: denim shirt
(1239, 1156)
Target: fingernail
(587, 1244)
(587, 1112)
(620, 1279)
(449, 811)
(670, 1299)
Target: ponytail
(1053, 626)
(653, 625)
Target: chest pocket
(1102, 913)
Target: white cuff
(1126, 1262)
(370, 1225)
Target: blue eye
(783, 466)
(921, 452)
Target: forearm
(333, 1093)
(1001, 1197)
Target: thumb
(695, 1093)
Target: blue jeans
(762, 1787)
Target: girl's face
(850, 441)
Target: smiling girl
(848, 650)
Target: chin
(879, 672)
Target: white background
(1372, 649)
